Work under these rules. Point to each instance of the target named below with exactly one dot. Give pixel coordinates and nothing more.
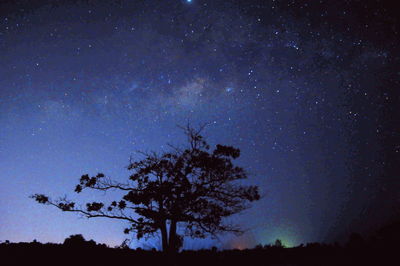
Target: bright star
(228, 89)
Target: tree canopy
(192, 188)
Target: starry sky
(308, 90)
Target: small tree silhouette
(192, 187)
(278, 243)
(124, 244)
(78, 241)
(73, 239)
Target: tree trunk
(164, 236)
(172, 237)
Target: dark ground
(380, 248)
(311, 254)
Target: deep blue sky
(308, 90)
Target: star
(291, 92)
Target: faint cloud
(134, 86)
(54, 107)
(191, 93)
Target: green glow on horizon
(287, 242)
(286, 234)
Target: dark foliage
(78, 241)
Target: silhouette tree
(278, 243)
(192, 188)
(78, 241)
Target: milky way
(308, 91)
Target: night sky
(308, 90)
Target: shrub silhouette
(278, 243)
(78, 241)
